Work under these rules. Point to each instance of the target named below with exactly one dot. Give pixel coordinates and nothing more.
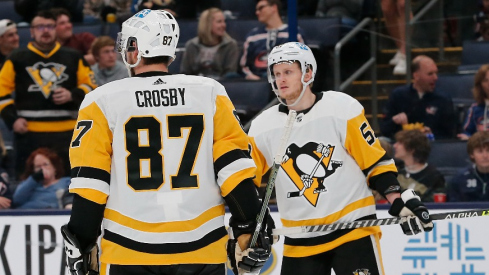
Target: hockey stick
(377, 222)
(300, 193)
(273, 175)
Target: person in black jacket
(412, 147)
(420, 103)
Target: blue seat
(95, 29)
(7, 11)
(188, 30)
(24, 36)
(248, 97)
(475, 52)
(240, 9)
(449, 154)
(458, 86)
(174, 67)
(239, 28)
(321, 31)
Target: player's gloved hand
(38, 176)
(79, 262)
(416, 217)
(245, 259)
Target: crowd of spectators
(52, 75)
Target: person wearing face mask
(477, 119)
(471, 183)
(41, 180)
(213, 53)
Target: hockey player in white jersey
(332, 162)
(154, 157)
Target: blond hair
(204, 30)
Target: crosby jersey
(34, 75)
(160, 151)
(330, 155)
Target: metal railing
(370, 63)
(411, 22)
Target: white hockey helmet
(155, 32)
(291, 52)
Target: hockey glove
(415, 215)
(252, 259)
(79, 262)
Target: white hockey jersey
(160, 151)
(332, 146)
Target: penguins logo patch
(307, 167)
(46, 77)
(363, 271)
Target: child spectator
(213, 53)
(471, 183)
(477, 119)
(412, 147)
(107, 68)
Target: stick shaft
(377, 222)
(273, 175)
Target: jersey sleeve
(232, 162)
(91, 154)
(85, 76)
(7, 84)
(258, 152)
(363, 146)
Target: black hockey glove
(252, 259)
(415, 215)
(79, 262)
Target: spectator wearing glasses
(9, 39)
(107, 68)
(50, 82)
(41, 181)
(64, 33)
(261, 40)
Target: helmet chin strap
(304, 87)
(130, 66)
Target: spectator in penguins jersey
(50, 82)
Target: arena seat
(474, 53)
(7, 11)
(240, 9)
(188, 30)
(239, 28)
(449, 157)
(458, 86)
(248, 97)
(174, 67)
(95, 29)
(321, 31)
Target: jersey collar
(154, 73)
(282, 108)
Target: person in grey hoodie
(107, 68)
(213, 53)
